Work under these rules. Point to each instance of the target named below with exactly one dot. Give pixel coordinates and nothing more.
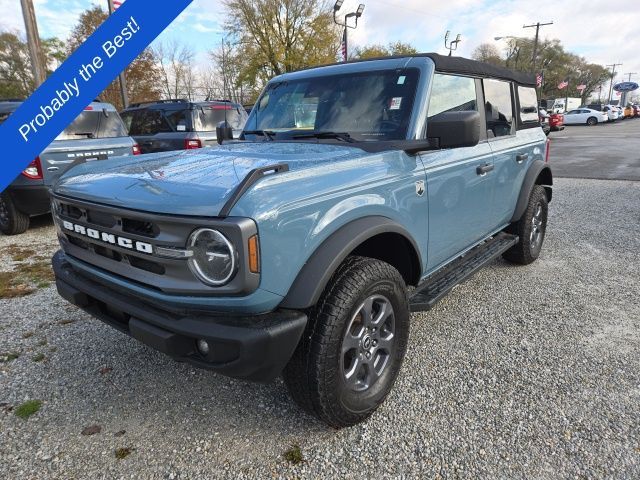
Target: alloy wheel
(368, 343)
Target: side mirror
(223, 132)
(454, 129)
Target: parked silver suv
(96, 134)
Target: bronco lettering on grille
(110, 238)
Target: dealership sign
(625, 87)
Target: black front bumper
(254, 347)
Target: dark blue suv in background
(164, 125)
(96, 134)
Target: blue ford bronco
(356, 194)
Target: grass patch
(294, 455)
(42, 342)
(27, 334)
(8, 357)
(26, 279)
(28, 409)
(20, 254)
(38, 357)
(123, 452)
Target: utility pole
(122, 79)
(537, 25)
(33, 41)
(630, 73)
(613, 74)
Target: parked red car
(556, 122)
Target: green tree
(16, 77)
(553, 60)
(277, 36)
(142, 74)
(488, 53)
(377, 50)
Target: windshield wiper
(85, 134)
(344, 136)
(268, 134)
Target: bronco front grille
(133, 244)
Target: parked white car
(584, 116)
(612, 112)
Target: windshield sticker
(401, 79)
(181, 128)
(395, 103)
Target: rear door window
(528, 105)
(498, 107)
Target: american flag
(581, 87)
(539, 79)
(343, 46)
(563, 84)
(117, 4)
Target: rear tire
(591, 121)
(530, 229)
(12, 220)
(355, 340)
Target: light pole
(357, 14)
(453, 44)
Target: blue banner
(80, 79)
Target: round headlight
(214, 258)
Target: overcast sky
(595, 29)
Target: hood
(189, 182)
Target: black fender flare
(324, 261)
(536, 169)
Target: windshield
(94, 124)
(368, 106)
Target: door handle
(521, 157)
(484, 169)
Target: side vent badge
(420, 188)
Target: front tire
(352, 349)
(531, 229)
(12, 220)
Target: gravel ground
(522, 372)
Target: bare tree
(176, 66)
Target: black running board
(441, 282)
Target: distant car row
(589, 115)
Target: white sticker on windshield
(395, 103)
(181, 128)
(401, 79)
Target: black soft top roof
(458, 65)
(475, 68)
